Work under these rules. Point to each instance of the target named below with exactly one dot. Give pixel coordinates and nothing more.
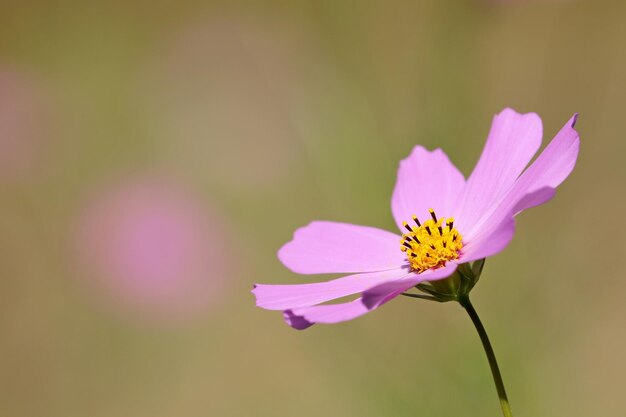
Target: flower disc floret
(431, 244)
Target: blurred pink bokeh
(153, 248)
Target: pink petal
(281, 297)
(375, 295)
(513, 140)
(425, 180)
(551, 168)
(492, 241)
(535, 186)
(302, 318)
(329, 247)
(534, 198)
(297, 322)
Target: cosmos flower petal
(302, 318)
(297, 322)
(534, 187)
(512, 142)
(425, 180)
(488, 244)
(552, 166)
(281, 297)
(375, 295)
(533, 199)
(329, 247)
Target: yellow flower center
(431, 244)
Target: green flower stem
(491, 356)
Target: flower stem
(491, 356)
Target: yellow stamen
(427, 250)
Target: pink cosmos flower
(444, 221)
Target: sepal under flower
(455, 287)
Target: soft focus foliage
(155, 155)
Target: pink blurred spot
(22, 117)
(153, 248)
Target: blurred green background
(155, 155)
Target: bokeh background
(155, 155)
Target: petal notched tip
(288, 254)
(420, 151)
(295, 321)
(260, 299)
(511, 112)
